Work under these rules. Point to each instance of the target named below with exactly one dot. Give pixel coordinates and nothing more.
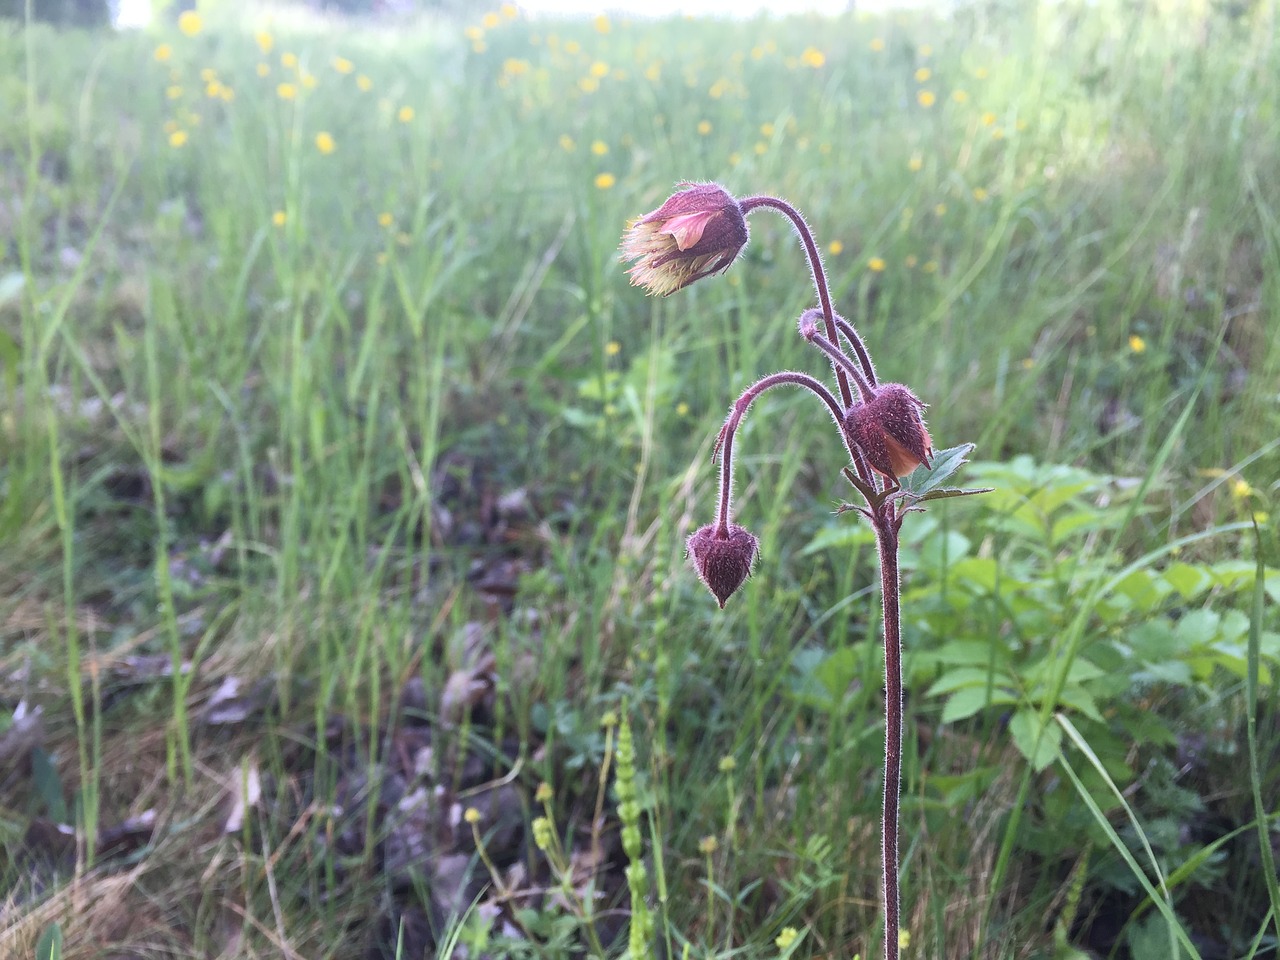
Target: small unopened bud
(889, 431)
(722, 558)
(698, 231)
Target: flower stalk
(702, 230)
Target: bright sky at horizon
(660, 8)
(138, 12)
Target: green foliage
(259, 401)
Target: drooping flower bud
(698, 231)
(722, 562)
(889, 431)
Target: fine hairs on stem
(700, 230)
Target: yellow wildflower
(960, 96)
(599, 148)
(190, 23)
(876, 264)
(566, 143)
(163, 53)
(490, 20)
(264, 70)
(926, 51)
(405, 114)
(508, 11)
(612, 348)
(605, 180)
(877, 45)
(324, 142)
(786, 938)
(926, 98)
(916, 163)
(472, 815)
(588, 84)
(308, 80)
(988, 118)
(178, 138)
(980, 194)
(766, 129)
(289, 60)
(173, 92)
(1137, 344)
(286, 91)
(923, 74)
(278, 218)
(265, 41)
(602, 24)
(385, 219)
(599, 69)
(343, 65)
(835, 248)
(704, 127)
(813, 57)
(364, 83)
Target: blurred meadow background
(345, 483)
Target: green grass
(256, 429)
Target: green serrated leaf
(962, 677)
(965, 703)
(1040, 749)
(945, 463)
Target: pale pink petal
(687, 228)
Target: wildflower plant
(701, 230)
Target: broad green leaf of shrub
(965, 703)
(963, 677)
(1144, 589)
(1025, 728)
(1187, 580)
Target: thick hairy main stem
(886, 526)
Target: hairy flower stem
(815, 267)
(843, 363)
(859, 347)
(886, 526)
(724, 443)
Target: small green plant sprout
(701, 230)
